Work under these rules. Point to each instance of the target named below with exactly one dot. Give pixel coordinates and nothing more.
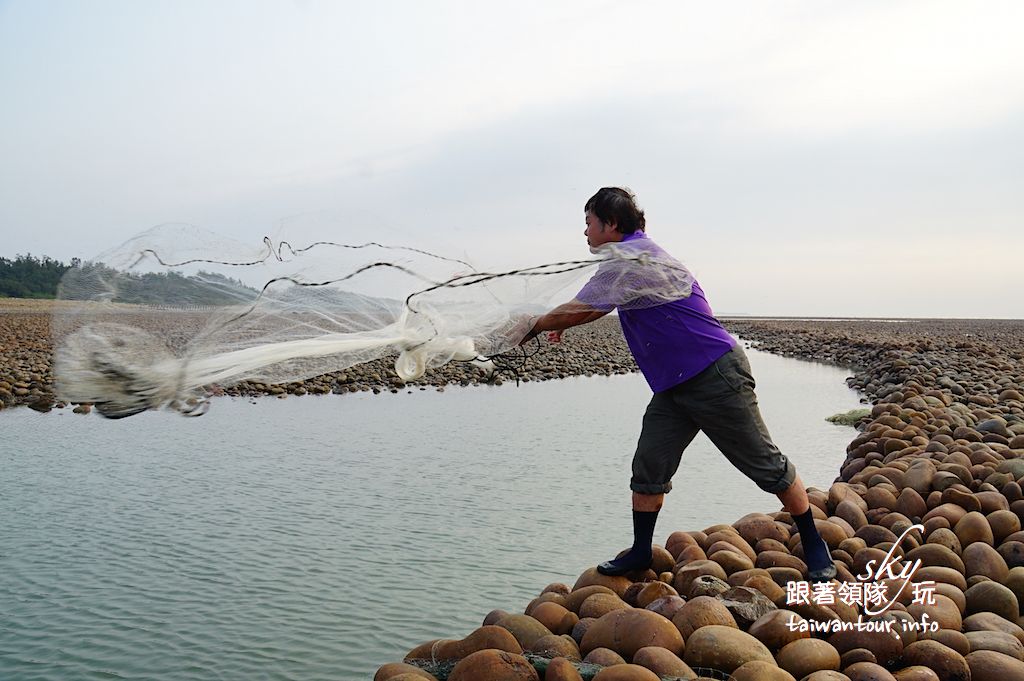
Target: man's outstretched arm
(564, 316)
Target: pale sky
(802, 158)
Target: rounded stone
(804, 656)
(575, 599)
(826, 675)
(662, 662)
(989, 621)
(973, 527)
(915, 673)
(936, 555)
(626, 672)
(556, 646)
(885, 648)
(605, 657)
(982, 559)
(601, 604)
(946, 662)
(943, 536)
(707, 585)
(857, 655)
(757, 526)
(992, 597)
(394, 669)
(591, 577)
(652, 591)
(997, 641)
(746, 604)
(989, 665)
(1013, 553)
(627, 631)
(1003, 524)
(943, 611)
(555, 617)
(955, 640)
(700, 612)
(724, 648)
(561, 669)
(688, 573)
(667, 607)
(524, 628)
(494, 665)
(760, 671)
(868, 671)
(778, 628)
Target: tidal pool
(319, 537)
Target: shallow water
(317, 538)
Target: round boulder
(804, 656)
(724, 648)
(493, 665)
(988, 665)
(627, 631)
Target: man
(699, 374)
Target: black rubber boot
(820, 567)
(639, 557)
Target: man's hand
(552, 336)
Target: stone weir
(923, 521)
(26, 352)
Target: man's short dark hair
(617, 205)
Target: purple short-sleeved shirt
(673, 341)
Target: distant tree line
(29, 277)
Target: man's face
(599, 233)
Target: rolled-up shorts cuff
(783, 483)
(650, 488)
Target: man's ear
(613, 225)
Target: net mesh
(160, 319)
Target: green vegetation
(849, 418)
(30, 277)
(96, 280)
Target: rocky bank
(931, 481)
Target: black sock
(816, 552)
(639, 557)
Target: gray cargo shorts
(721, 402)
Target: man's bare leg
(794, 499)
(650, 502)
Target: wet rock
(724, 649)
(746, 605)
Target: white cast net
(177, 310)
